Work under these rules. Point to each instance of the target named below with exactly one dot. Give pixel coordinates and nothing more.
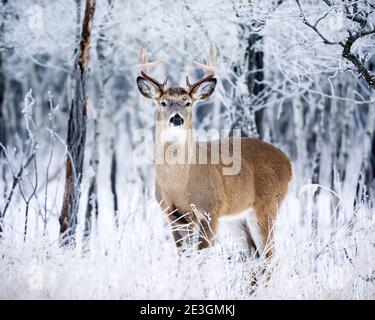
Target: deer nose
(176, 120)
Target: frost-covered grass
(139, 260)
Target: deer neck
(174, 151)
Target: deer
(184, 188)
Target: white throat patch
(177, 135)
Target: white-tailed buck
(186, 187)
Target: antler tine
(209, 70)
(144, 65)
(142, 54)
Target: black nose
(176, 120)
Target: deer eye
(163, 104)
(188, 104)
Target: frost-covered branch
(347, 44)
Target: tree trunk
(316, 163)
(76, 134)
(366, 178)
(3, 138)
(113, 182)
(255, 76)
(245, 117)
(92, 200)
(369, 173)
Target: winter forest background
(298, 74)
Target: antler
(209, 70)
(144, 65)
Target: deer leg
(180, 227)
(177, 238)
(266, 214)
(249, 239)
(206, 232)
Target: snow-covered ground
(139, 260)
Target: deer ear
(204, 90)
(147, 88)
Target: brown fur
(261, 184)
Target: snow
(139, 259)
(303, 79)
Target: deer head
(175, 103)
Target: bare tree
(30, 155)
(113, 179)
(358, 13)
(3, 136)
(363, 29)
(16, 177)
(251, 66)
(76, 133)
(245, 71)
(2, 93)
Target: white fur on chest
(177, 135)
